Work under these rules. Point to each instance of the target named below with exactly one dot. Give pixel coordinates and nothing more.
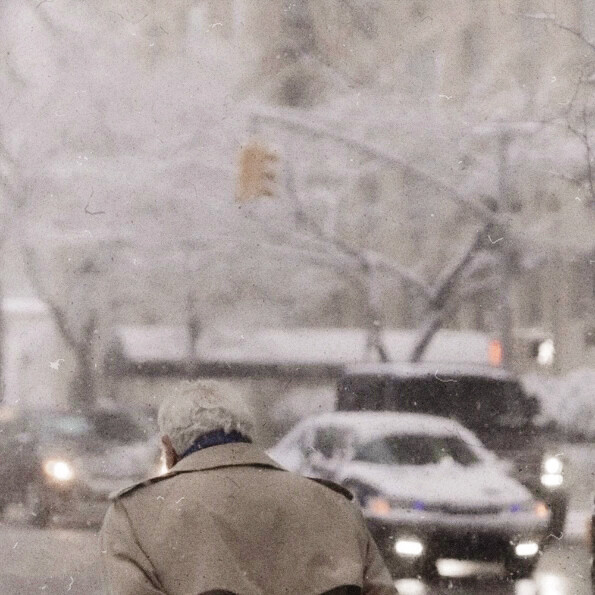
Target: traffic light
(258, 173)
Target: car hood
(120, 461)
(474, 486)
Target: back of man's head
(206, 407)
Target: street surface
(67, 561)
(563, 570)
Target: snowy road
(563, 570)
(66, 561)
(48, 561)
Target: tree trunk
(83, 388)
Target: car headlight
(552, 480)
(536, 507)
(58, 469)
(380, 505)
(552, 466)
(526, 549)
(410, 547)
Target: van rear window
(477, 402)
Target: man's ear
(171, 456)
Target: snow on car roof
(373, 424)
(438, 369)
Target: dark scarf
(215, 438)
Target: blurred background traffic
(352, 205)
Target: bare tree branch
(582, 135)
(551, 18)
(574, 32)
(43, 17)
(371, 263)
(442, 292)
(579, 83)
(377, 153)
(363, 257)
(589, 152)
(426, 333)
(452, 274)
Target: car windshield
(116, 427)
(416, 449)
(64, 426)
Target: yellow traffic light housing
(258, 175)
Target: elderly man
(227, 519)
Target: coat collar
(236, 454)
(224, 455)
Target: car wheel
(39, 513)
(518, 569)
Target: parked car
(428, 488)
(68, 463)
(489, 401)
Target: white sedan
(428, 487)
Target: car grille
(468, 510)
(470, 546)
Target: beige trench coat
(229, 518)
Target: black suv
(68, 463)
(489, 401)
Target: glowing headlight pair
(551, 476)
(58, 470)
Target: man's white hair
(207, 406)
